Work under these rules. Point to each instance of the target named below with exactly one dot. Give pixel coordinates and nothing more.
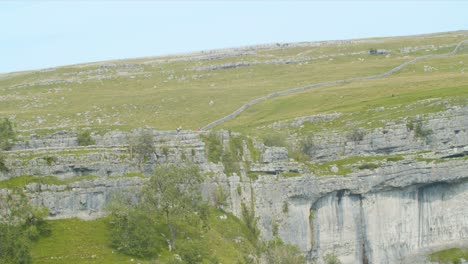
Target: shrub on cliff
(356, 135)
(7, 134)
(274, 140)
(214, 147)
(84, 138)
(331, 258)
(307, 145)
(142, 146)
(3, 167)
(277, 252)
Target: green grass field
(81, 242)
(165, 95)
(78, 241)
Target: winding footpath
(324, 84)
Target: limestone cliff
(385, 213)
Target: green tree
(20, 224)
(142, 146)
(134, 231)
(170, 202)
(174, 192)
(7, 134)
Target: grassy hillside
(79, 242)
(176, 91)
(193, 90)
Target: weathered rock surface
(390, 214)
(85, 199)
(380, 216)
(449, 134)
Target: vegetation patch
(254, 152)
(395, 158)
(452, 255)
(250, 220)
(7, 134)
(213, 147)
(84, 138)
(3, 166)
(274, 140)
(288, 174)
(220, 197)
(346, 166)
(356, 135)
(21, 181)
(142, 147)
(421, 132)
(368, 166)
(50, 160)
(253, 175)
(20, 225)
(79, 242)
(232, 157)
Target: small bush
(214, 147)
(165, 150)
(356, 135)
(410, 125)
(307, 145)
(274, 228)
(368, 166)
(85, 139)
(253, 175)
(248, 216)
(331, 258)
(236, 144)
(143, 146)
(274, 140)
(3, 167)
(192, 252)
(50, 160)
(7, 134)
(220, 197)
(285, 208)
(254, 153)
(231, 163)
(420, 132)
(277, 252)
(183, 157)
(233, 156)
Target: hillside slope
(371, 171)
(195, 89)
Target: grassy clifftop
(194, 89)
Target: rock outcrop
(382, 214)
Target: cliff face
(382, 214)
(369, 217)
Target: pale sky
(41, 34)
